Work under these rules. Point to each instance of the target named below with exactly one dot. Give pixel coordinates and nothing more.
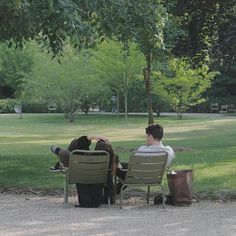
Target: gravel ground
(25, 214)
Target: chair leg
(121, 195)
(121, 192)
(148, 194)
(65, 194)
(109, 201)
(115, 190)
(163, 196)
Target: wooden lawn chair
(144, 169)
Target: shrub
(35, 107)
(7, 105)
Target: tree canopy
(204, 31)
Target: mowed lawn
(206, 145)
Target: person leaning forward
(81, 143)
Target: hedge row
(9, 105)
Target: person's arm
(97, 138)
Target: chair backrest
(214, 107)
(52, 106)
(224, 108)
(146, 168)
(88, 167)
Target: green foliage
(204, 29)
(35, 106)
(142, 22)
(7, 105)
(115, 68)
(182, 85)
(15, 65)
(224, 85)
(67, 84)
(225, 49)
(50, 22)
(210, 28)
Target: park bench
(231, 108)
(224, 108)
(214, 108)
(227, 108)
(52, 107)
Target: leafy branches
(182, 85)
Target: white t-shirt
(144, 150)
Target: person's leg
(121, 174)
(55, 149)
(57, 166)
(64, 156)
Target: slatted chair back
(144, 169)
(86, 167)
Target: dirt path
(24, 215)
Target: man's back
(147, 149)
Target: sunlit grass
(206, 145)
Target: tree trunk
(126, 95)
(158, 111)
(147, 80)
(20, 109)
(71, 117)
(117, 104)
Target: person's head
(154, 133)
(81, 143)
(105, 146)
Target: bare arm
(97, 138)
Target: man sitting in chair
(154, 144)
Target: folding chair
(86, 167)
(144, 169)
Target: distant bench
(52, 107)
(227, 108)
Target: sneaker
(55, 149)
(56, 168)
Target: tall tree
(15, 65)
(51, 22)
(115, 69)
(210, 27)
(183, 86)
(142, 22)
(69, 85)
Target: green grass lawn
(208, 146)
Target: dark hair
(156, 131)
(82, 143)
(102, 145)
